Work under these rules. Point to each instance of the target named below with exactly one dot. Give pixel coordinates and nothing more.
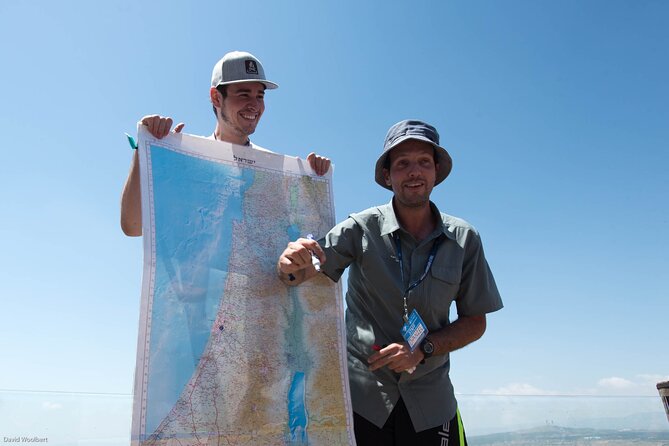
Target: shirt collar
(390, 224)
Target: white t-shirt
(213, 137)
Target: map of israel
(227, 354)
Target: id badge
(414, 330)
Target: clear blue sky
(556, 115)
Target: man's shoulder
(456, 222)
(376, 219)
(458, 227)
(372, 213)
(374, 210)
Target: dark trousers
(399, 431)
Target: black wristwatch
(427, 347)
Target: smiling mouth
(249, 116)
(414, 184)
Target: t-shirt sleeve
(478, 292)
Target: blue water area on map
(293, 232)
(297, 411)
(298, 360)
(195, 204)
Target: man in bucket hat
(408, 263)
(237, 92)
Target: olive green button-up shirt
(374, 315)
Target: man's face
(412, 172)
(241, 110)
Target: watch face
(428, 347)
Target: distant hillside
(557, 436)
(653, 421)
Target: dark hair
(223, 89)
(386, 161)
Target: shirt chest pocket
(443, 286)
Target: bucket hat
(418, 130)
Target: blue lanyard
(415, 283)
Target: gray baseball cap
(239, 66)
(421, 131)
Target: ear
(386, 176)
(215, 97)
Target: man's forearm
(462, 332)
(131, 202)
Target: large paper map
(227, 354)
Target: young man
(237, 94)
(404, 257)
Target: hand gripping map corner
(227, 354)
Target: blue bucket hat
(418, 130)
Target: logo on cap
(251, 67)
